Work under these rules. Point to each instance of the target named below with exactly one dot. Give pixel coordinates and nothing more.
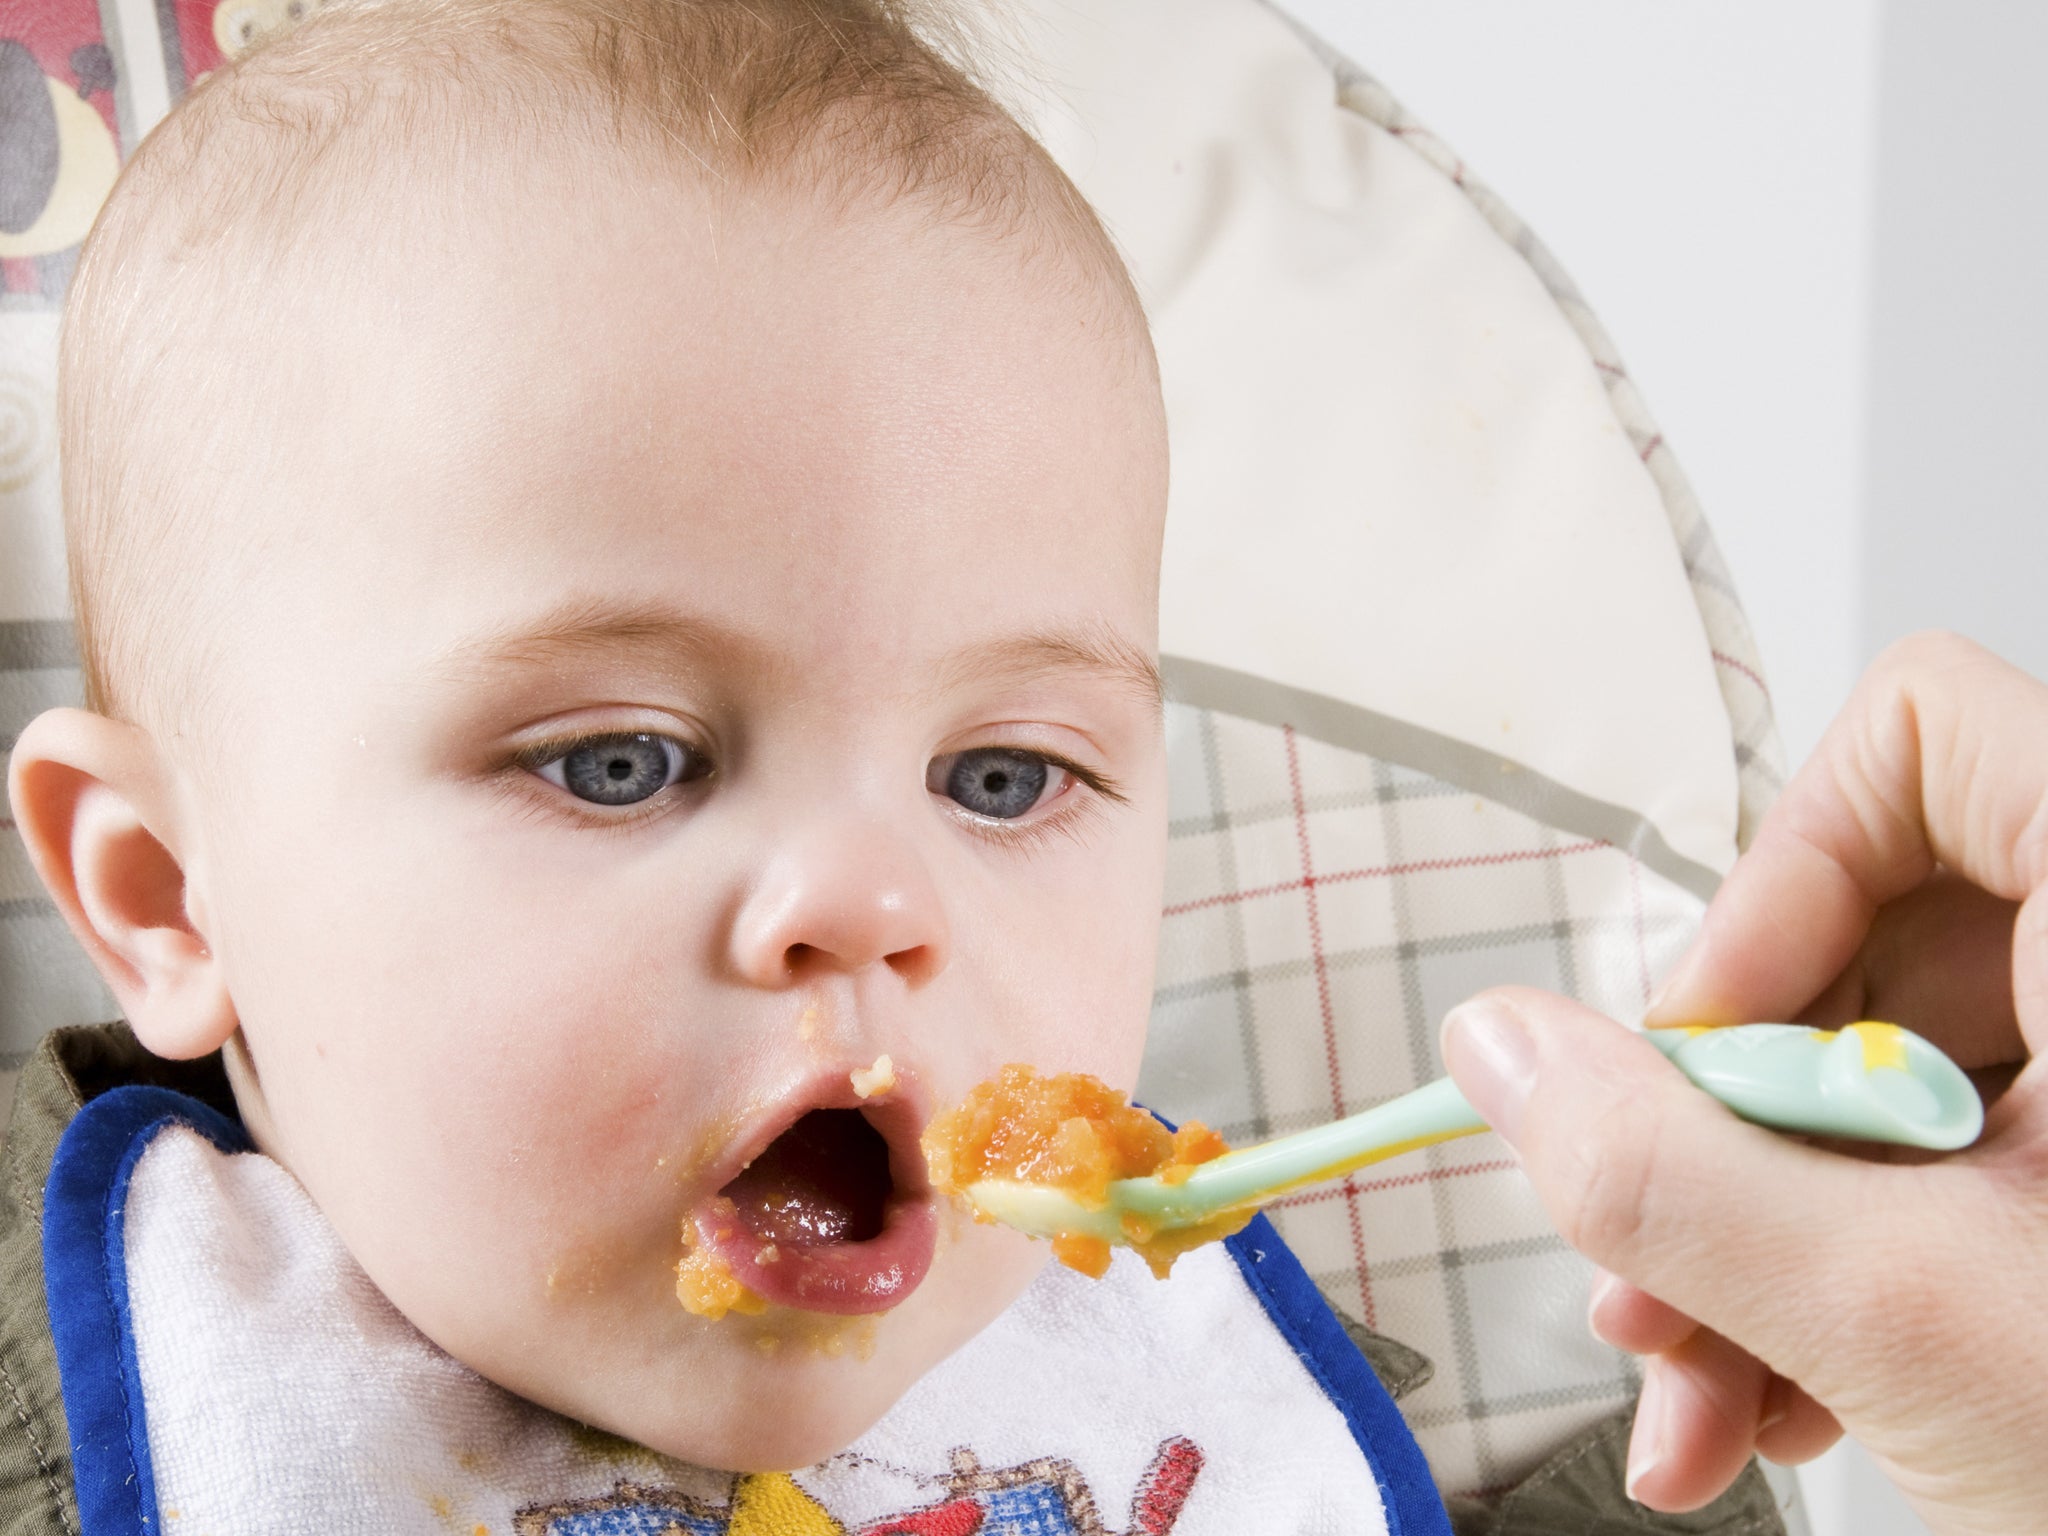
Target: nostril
(915, 965)
(813, 917)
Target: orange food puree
(706, 1285)
(1075, 1133)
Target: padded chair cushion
(1409, 473)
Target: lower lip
(844, 1279)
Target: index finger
(1939, 757)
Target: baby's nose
(841, 897)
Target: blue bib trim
(85, 1280)
(1297, 1308)
(85, 1277)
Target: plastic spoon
(1867, 1082)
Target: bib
(227, 1367)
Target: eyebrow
(588, 628)
(1026, 658)
(585, 628)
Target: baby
(615, 548)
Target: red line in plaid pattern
(1650, 447)
(1352, 1188)
(1307, 886)
(1378, 872)
(1733, 665)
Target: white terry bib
(228, 1368)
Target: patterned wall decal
(59, 144)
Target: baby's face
(687, 654)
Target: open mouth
(824, 1218)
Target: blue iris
(997, 782)
(620, 770)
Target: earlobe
(92, 799)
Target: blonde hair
(852, 98)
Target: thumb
(1755, 1236)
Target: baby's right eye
(623, 769)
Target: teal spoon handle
(1866, 1082)
(1870, 1082)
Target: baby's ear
(93, 799)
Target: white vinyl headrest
(1399, 486)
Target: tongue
(824, 1180)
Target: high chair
(1461, 692)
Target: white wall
(1957, 501)
(1704, 169)
(1815, 233)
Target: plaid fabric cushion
(1325, 908)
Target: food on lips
(869, 1081)
(822, 1219)
(705, 1283)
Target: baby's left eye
(1001, 783)
(622, 769)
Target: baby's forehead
(382, 178)
(829, 498)
(286, 211)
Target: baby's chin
(782, 1422)
(781, 1429)
(788, 1389)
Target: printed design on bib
(1044, 1497)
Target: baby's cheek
(505, 1148)
(1097, 972)
(1103, 989)
(1071, 1019)
(531, 1194)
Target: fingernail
(1646, 1441)
(1603, 1287)
(1777, 1406)
(1653, 1014)
(1488, 1049)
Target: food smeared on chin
(815, 1335)
(822, 1219)
(1073, 1133)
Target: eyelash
(529, 759)
(538, 794)
(1065, 821)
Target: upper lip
(898, 1115)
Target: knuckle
(1925, 651)
(1606, 1182)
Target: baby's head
(616, 549)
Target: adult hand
(1782, 1291)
